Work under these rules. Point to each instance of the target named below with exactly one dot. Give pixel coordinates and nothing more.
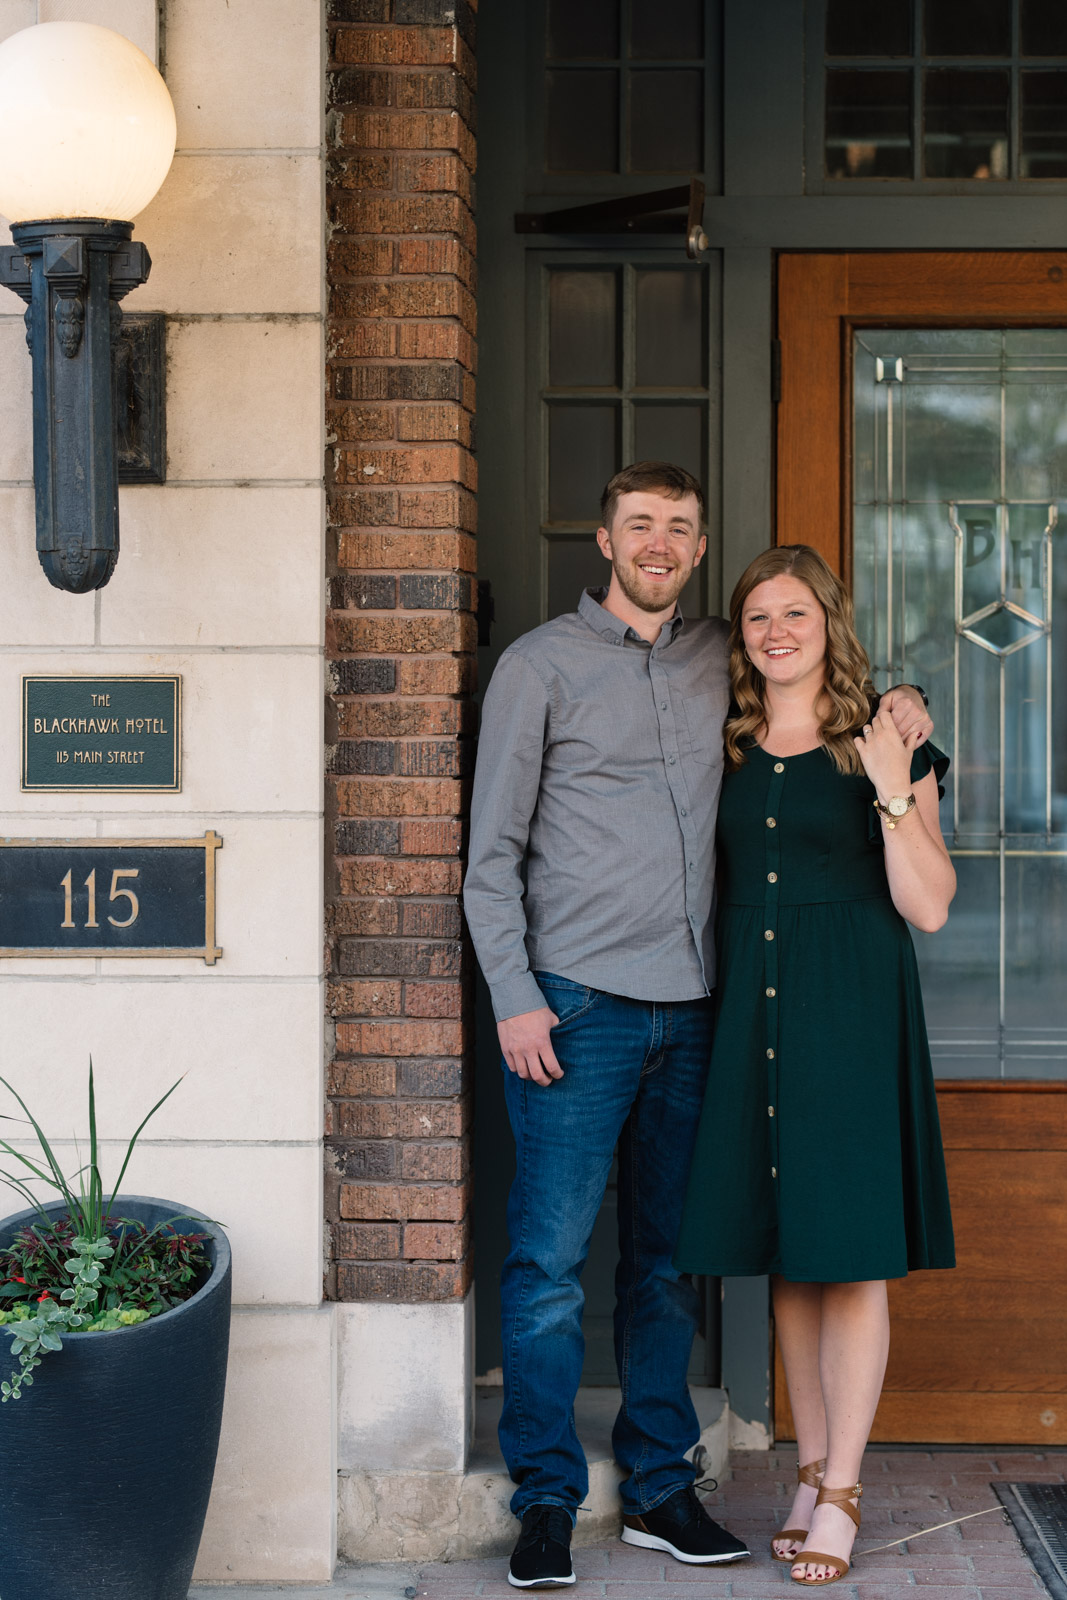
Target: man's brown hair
(650, 477)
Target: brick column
(401, 637)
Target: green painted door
(620, 366)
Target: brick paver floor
(904, 1491)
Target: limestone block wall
(220, 579)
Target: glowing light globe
(87, 125)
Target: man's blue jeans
(634, 1077)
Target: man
(589, 895)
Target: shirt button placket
(771, 986)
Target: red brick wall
(401, 635)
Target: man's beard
(646, 595)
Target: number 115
(117, 893)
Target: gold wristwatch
(897, 806)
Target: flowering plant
(85, 1270)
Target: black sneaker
(683, 1528)
(541, 1558)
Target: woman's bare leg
(797, 1324)
(853, 1349)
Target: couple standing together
(809, 1148)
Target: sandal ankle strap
(842, 1498)
(812, 1473)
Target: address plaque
(108, 897)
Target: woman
(818, 1158)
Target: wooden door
(919, 449)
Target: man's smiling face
(653, 545)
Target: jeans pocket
(568, 1000)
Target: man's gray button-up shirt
(592, 849)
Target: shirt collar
(610, 627)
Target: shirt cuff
(516, 995)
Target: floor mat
(1039, 1514)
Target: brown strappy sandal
(812, 1476)
(841, 1498)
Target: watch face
(897, 806)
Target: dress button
(770, 1055)
(779, 766)
(771, 823)
(663, 705)
(684, 812)
(769, 934)
(774, 1172)
(770, 993)
(772, 877)
(670, 761)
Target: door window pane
(583, 328)
(958, 559)
(671, 433)
(671, 329)
(582, 121)
(1036, 931)
(868, 124)
(1035, 421)
(642, 331)
(960, 973)
(952, 422)
(868, 30)
(667, 31)
(666, 121)
(583, 30)
(1044, 28)
(967, 27)
(1044, 124)
(574, 565)
(966, 120)
(583, 453)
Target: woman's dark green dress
(819, 1150)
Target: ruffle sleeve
(928, 758)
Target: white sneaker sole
(651, 1541)
(540, 1583)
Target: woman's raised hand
(886, 756)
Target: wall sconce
(87, 134)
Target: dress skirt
(818, 1154)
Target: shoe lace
(542, 1524)
(696, 1510)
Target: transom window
(624, 86)
(946, 89)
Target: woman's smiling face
(784, 629)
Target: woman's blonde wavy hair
(849, 688)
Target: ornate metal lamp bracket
(72, 274)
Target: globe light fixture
(87, 133)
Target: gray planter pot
(106, 1462)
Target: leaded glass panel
(960, 486)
